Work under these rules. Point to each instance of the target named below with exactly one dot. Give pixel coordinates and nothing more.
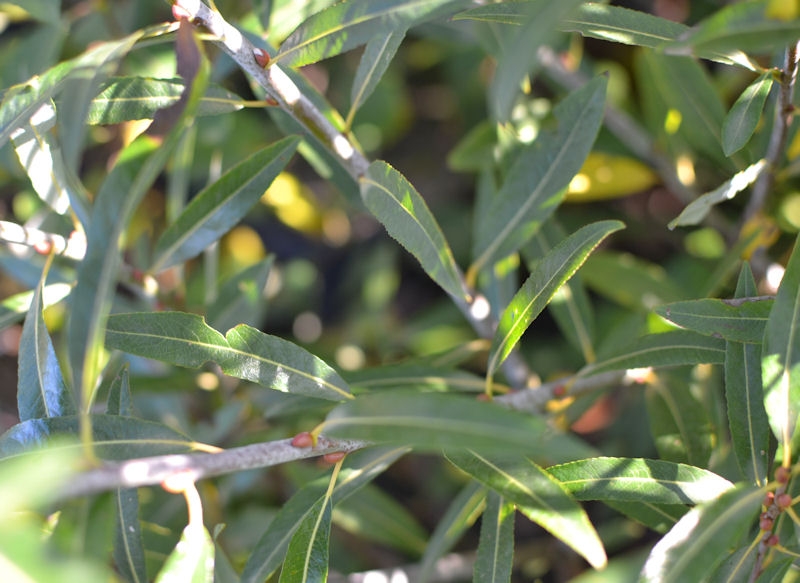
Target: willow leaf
(547, 276)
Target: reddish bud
(766, 522)
(43, 247)
(262, 57)
(271, 102)
(304, 439)
(782, 475)
(769, 498)
(772, 540)
(783, 500)
(483, 397)
(559, 391)
(333, 458)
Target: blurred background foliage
(325, 274)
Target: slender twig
(154, 470)
(784, 114)
(276, 83)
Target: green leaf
(115, 437)
(400, 208)
(41, 389)
(570, 307)
(740, 320)
(192, 561)
(475, 151)
(519, 57)
(622, 25)
(739, 27)
(132, 98)
(415, 376)
(679, 423)
(120, 401)
(539, 497)
(546, 277)
(432, 421)
(378, 517)
(241, 298)
(630, 281)
(220, 206)
(460, 515)
(347, 25)
(742, 119)
(681, 105)
(129, 551)
(378, 54)
(780, 363)
(40, 155)
(639, 480)
(307, 555)
(744, 397)
(244, 352)
(495, 559)
(536, 182)
(697, 210)
(666, 349)
(703, 537)
(657, 517)
(359, 468)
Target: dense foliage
(555, 336)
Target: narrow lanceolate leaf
(349, 24)
(744, 397)
(780, 366)
(359, 468)
(307, 555)
(404, 214)
(378, 53)
(622, 25)
(460, 515)
(41, 389)
(700, 540)
(519, 57)
(698, 209)
(742, 119)
(432, 421)
(639, 480)
(244, 352)
(128, 547)
(115, 437)
(740, 320)
(40, 156)
(192, 561)
(667, 349)
(547, 276)
(743, 26)
(218, 208)
(539, 497)
(536, 182)
(240, 299)
(592, 19)
(132, 98)
(495, 560)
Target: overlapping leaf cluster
(712, 362)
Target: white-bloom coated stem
(277, 84)
(154, 470)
